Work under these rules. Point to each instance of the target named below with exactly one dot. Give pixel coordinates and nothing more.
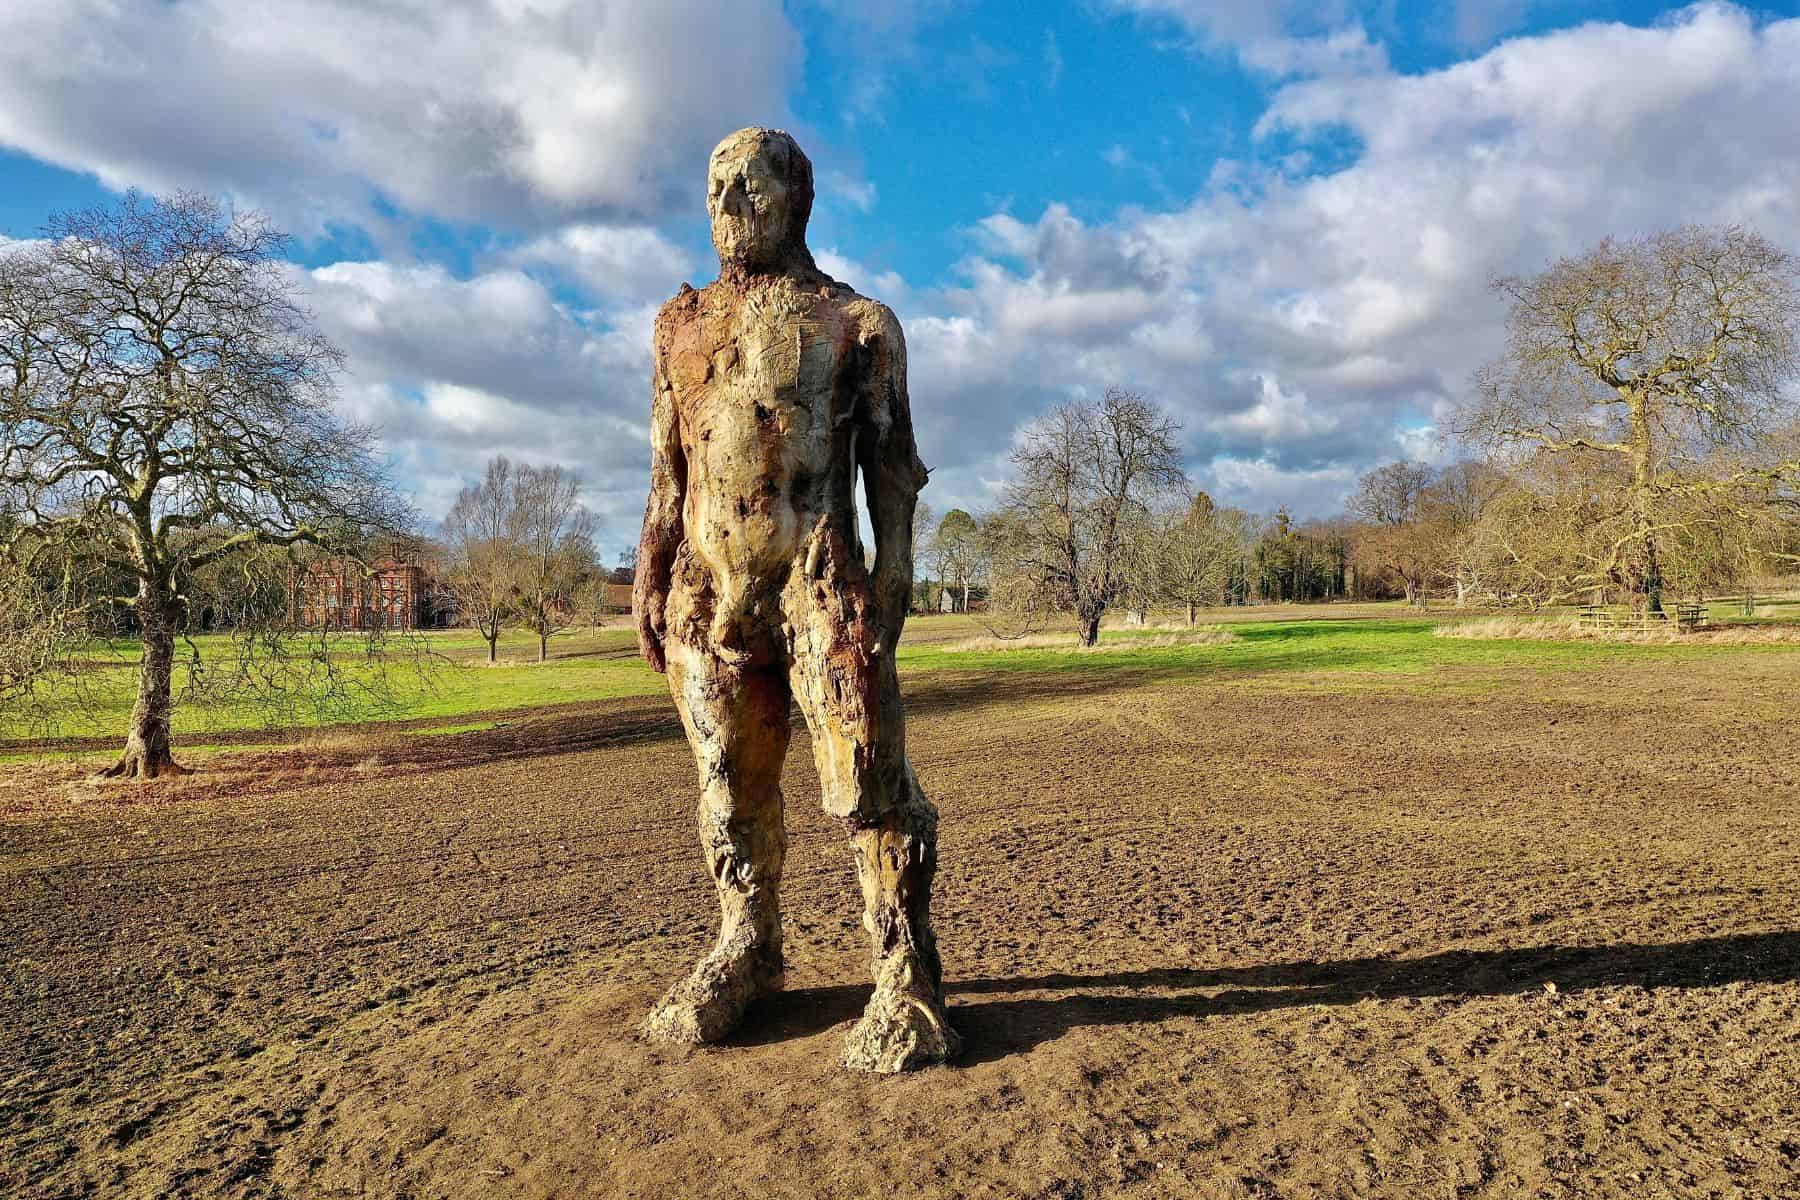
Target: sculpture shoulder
(677, 311)
(874, 320)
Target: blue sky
(1276, 219)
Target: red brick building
(386, 593)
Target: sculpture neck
(795, 263)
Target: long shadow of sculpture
(996, 1029)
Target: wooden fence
(1686, 617)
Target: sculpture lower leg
(739, 738)
(745, 857)
(904, 1025)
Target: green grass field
(1341, 647)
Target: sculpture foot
(900, 1031)
(709, 1004)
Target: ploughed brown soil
(1225, 939)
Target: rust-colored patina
(774, 387)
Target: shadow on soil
(998, 1029)
(579, 727)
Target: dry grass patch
(1568, 628)
(335, 741)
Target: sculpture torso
(766, 378)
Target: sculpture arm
(891, 470)
(662, 532)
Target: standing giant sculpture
(774, 386)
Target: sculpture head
(759, 194)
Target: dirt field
(1218, 937)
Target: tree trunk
(1090, 629)
(493, 641)
(965, 607)
(1190, 612)
(1642, 483)
(543, 648)
(147, 751)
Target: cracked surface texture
(775, 388)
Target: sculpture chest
(763, 379)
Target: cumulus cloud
(890, 287)
(1262, 485)
(1305, 329)
(1238, 22)
(610, 262)
(1277, 37)
(454, 370)
(540, 110)
(1348, 51)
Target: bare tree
(1532, 543)
(484, 557)
(554, 536)
(958, 545)
(924, 526)
(1071, 535)
(592, 602)
(1395, 500)
(1200, 546)
(1664, 353)
(1460, 496)
(166, 405)
(41, 619)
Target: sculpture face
(759, 195)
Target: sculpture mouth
(744, 236)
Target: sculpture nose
(736, 200)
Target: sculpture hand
(649, 607)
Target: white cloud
(1346, 51)
(837, 187)
(611, 262)
(889, 287)
(1263, 485)
(500, 331)
(1425, 443)
(1277, 37)
(475, 110)
(1278, 415)
(1305, 329)
(454, 370)
(1234, 22)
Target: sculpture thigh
(737, 724)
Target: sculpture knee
(745, 843)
